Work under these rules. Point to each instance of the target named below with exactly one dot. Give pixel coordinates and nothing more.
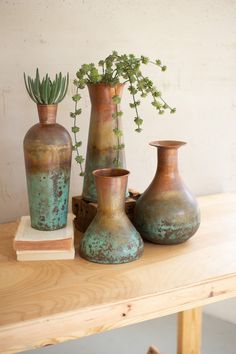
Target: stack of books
(34, 245)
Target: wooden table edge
(76, 324)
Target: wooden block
(85, 211)
(189, 331)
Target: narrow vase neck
(111, 194)
(47, 113)
(167, 161)
(167, 155)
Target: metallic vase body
(101, 139)
(167, 212)
(47, 151)
(111, 237)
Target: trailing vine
(118, 69)
(117, 131)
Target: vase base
(49, 229)
(167, 242)
(115, 261)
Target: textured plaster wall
(195, 39)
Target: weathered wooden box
(85, 211)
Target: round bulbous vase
(101, 138)
(167, 212)
(47, 152)
(111, 238)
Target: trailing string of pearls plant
(118, 69)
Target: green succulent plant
(47, 91)
(113, 70)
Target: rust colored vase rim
(47, 105)
(103, 84)
(111, 172)
(169, 144)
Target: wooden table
(44, 303)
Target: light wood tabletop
(49, 302)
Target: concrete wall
(195, 39)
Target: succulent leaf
(47, 91)
(29, 90)
(66, 88)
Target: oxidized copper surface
(111, 237)
(47, 151)
(101, 139)
(167, 212)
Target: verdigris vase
(167, 212)
(111, 237)
(101, 138)
(47, 151)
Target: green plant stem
(165, 102)
(89, 77)
(138, 83)
(117, 163)
(134, 101)
(115, 76)
(75, 136)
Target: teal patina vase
(47, 151)
(101, 137)
(167, 212)
(111, 237)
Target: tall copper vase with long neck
(167, 212)
(101, 139)
(47, 151)
(111, 237)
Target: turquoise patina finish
(47, 151)
(48, 194)
(103, 243)
(170, 219)
(111, 238)
(167, 212)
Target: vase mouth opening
(111, 172)
(105, 84)
(168, 144)
(42, 105)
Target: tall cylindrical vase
(47, 151)
(101, 139)
(167, 212)
(111, 237)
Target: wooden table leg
(153, 350)
(189, 331)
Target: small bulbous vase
(111, 238)
(167, 212)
